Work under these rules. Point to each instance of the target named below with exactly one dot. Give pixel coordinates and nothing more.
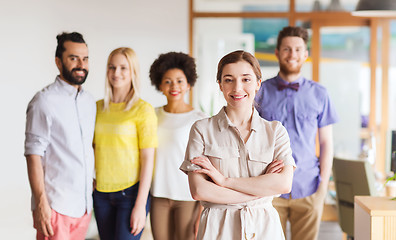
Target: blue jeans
(113, 213)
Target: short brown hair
(238, 56)
(292, 32)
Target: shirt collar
(299, 80)
(67, 87)
(224, 122)
(256, 121)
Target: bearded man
(304, 108)
(60, 123)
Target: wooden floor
(329, 230)
(329, 227)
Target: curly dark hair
(172, 60)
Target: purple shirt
(302, 112)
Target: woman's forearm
(204, 190)
(263, 185)
(146, 172)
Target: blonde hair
(134, 92)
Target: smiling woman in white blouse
(236, 161)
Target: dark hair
(292, 32)
(238, 56)
(64, 37)
(172, 60)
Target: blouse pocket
(221, 157)
(258, 162)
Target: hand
(209, 170)
(138, 219)
(275, 166)
(42, 218)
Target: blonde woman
(236, 161)
(124, 143)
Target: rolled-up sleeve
(195, 148)
(38, 128)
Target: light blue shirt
(59, 127)
(302, 112)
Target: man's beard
(68, 75)
(289, 70)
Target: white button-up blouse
(218, 139)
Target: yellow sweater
(119, 135)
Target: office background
(27, 48)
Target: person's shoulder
(270, 124)
(271, 79)
(199, 114)
(269, 82)
(274, 125)
(50, 89)
(203, 122)
(142, 104)
(212, 121)
(158, 110)
(277, 127)
(315, 85)
(142, 107)
(45, 100)
(100, 103)
(45, 94)
(314, 90)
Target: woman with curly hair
(174, 214)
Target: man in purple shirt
(304, 108)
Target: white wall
(28, 32)
(213, 39)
